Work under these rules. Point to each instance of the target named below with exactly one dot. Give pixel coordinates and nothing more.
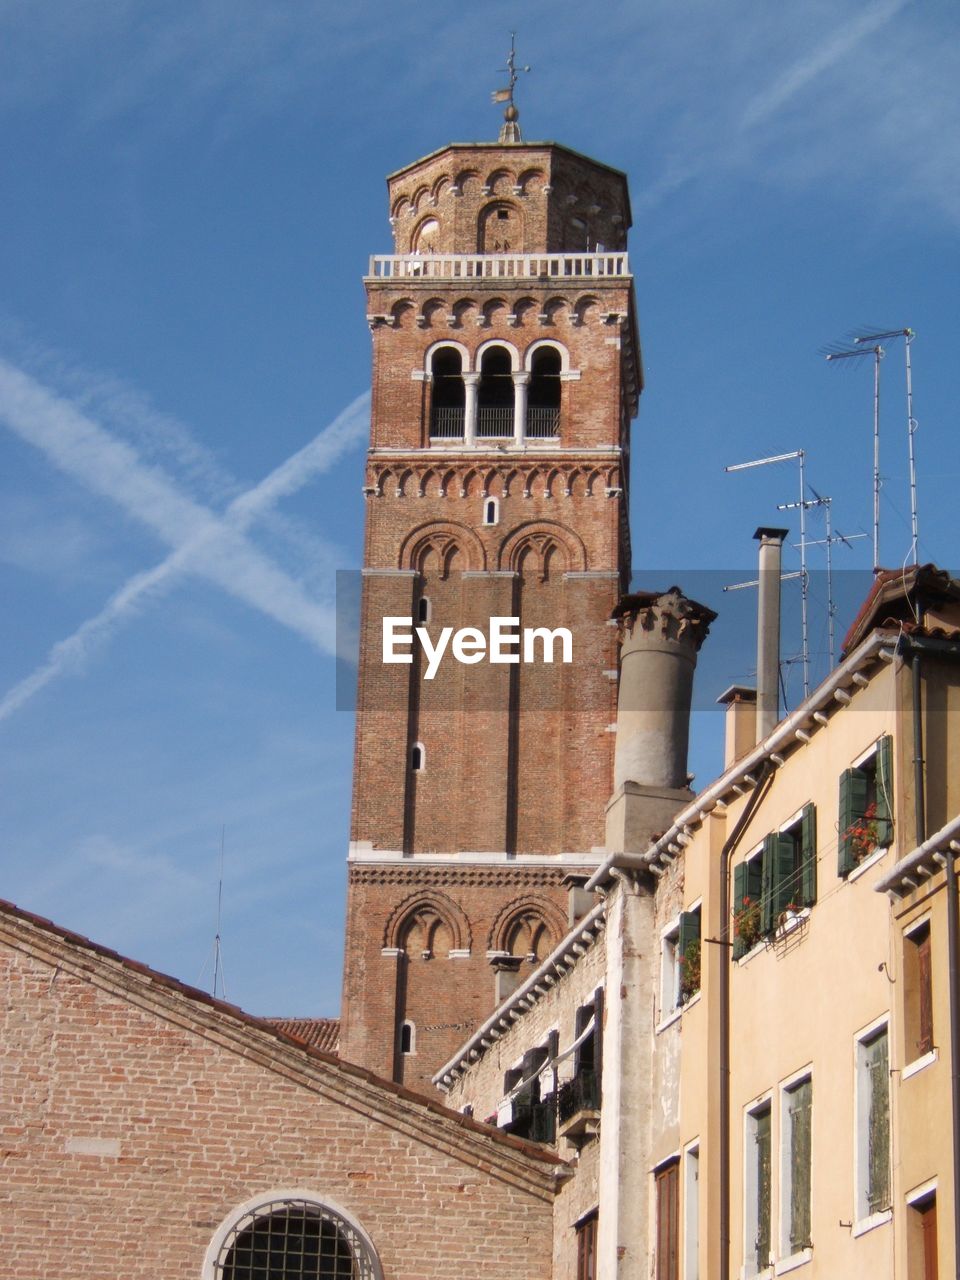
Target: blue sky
(191, 192)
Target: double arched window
(291, 1236)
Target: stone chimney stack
(768, 630)
(660, 637)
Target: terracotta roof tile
(319, 1033)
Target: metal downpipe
(726, 853)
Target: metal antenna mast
(908, 336)
(217, 954)
(827, 504)
(804, 585)
(878, 354)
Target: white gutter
(900, 878)
(555, 961)
(783, 736)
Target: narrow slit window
(491, 511)
(417, 757)
(423, 609)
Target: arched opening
(495, 395)
(408, 1037)
(417, 757)
(491, 513)
(448, 398)
(294, 1239)
(423, 609)
(528, 938)
(543, 397)
(500, 229)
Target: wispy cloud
(205, 544)
(838, 46)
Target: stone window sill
(863, 1225)
(918, 1064)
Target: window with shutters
(747, 924)
(873, 1123)
(778, 881)
(796, 1121)
(587, 1247)
(917, 994)
(865, 823)
(669, 971)
(668, 1221)
(757, 1189)
(688, 954)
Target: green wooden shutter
(808, 856)
(878, 1132)
(739, 893)
(689, 929)
(884, 776)
(800, 1111)
(786, 869)
(853, 805)
(770, 863)
(754, 879)
(688, 947)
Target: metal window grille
(294, 1240)
(495, 422)
(542, 423)
(446, 423)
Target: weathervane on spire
(510, 129)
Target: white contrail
(797, 77)
(205, 544)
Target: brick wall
(134, 1119)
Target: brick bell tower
(506, 371)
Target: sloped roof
(261, 1041)
(319, 1033)
(901, 596)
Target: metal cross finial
(510, 131)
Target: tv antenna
(857, 353)
(798, 455)
(846, 538)
(908, 336)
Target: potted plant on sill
(863, 834)
(789, 918)
(690, 970)
(747, 923)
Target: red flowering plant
(863, 834)
(747, 923)
(690, 970)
